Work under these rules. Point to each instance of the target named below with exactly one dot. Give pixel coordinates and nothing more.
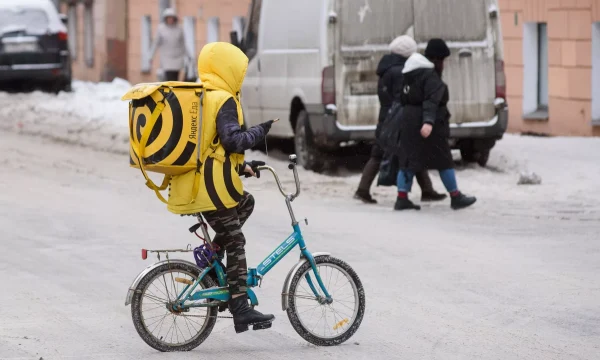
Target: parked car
(313, 62)
(33, 45)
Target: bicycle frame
(255, 275)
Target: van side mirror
(64, 18)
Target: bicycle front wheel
(322, 322)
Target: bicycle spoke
(157, 300)
(161, 323)
(337, 312)
(157, 321)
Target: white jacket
(170, 43)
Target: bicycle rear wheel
(318, 322)
(155, 320)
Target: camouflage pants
(228, 226)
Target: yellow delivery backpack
(165, 126)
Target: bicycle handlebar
(292, 166)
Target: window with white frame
(189, 35)
(88, 34)
(596, 73)
(535, 72)
(212, 31)
(238, 25)
(145, 43)
(72, 30)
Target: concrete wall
(570, 63)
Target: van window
(451, 20)
(251, 39)
(34, 21)
(374, 22)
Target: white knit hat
(169, 12)
(403, 45)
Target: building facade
(551, 50)
(552, 62)
(112, 38)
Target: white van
(313, 62)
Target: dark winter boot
(405, 204)
(244, 315)
(461, 201)
(364, 197)
(432, 196)
(366, 180)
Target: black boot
(432, 196)
(243, 315)
(405, 204)
(365, 197)
(462, 201)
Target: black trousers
(171, 75)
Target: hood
(169, 12)
(415, 62)
(222, 66)
(388, 61)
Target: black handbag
(389, 132)
(388, 170)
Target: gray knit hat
(403, 45)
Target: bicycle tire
(136, 309)
(292, 311)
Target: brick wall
(570, 62)
(109, 41)
(202, 10)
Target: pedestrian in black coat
(389, 88)
(425, 127)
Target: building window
(189, 35)
(238, 24)
(72, 29)
(212, 33)
(145, 43)
(88, 35)
(535, 53)
(596, 73)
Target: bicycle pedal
(223, 307)
(240, 328)
(262, 325)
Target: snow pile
(92, 115)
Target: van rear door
(364, 30)
(470, 70)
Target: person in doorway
(225, 205)
(389, 88)
(425, 126)
(170, 43)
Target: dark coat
(424, 100)
(389, 86)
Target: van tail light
(62, 36)
(500, 80)
(328, 86)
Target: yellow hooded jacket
(222, 68)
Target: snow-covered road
(514, 277)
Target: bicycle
(301, 295)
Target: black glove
(254, 164)
(267, 126)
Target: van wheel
(483, 158)
(308, 154)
